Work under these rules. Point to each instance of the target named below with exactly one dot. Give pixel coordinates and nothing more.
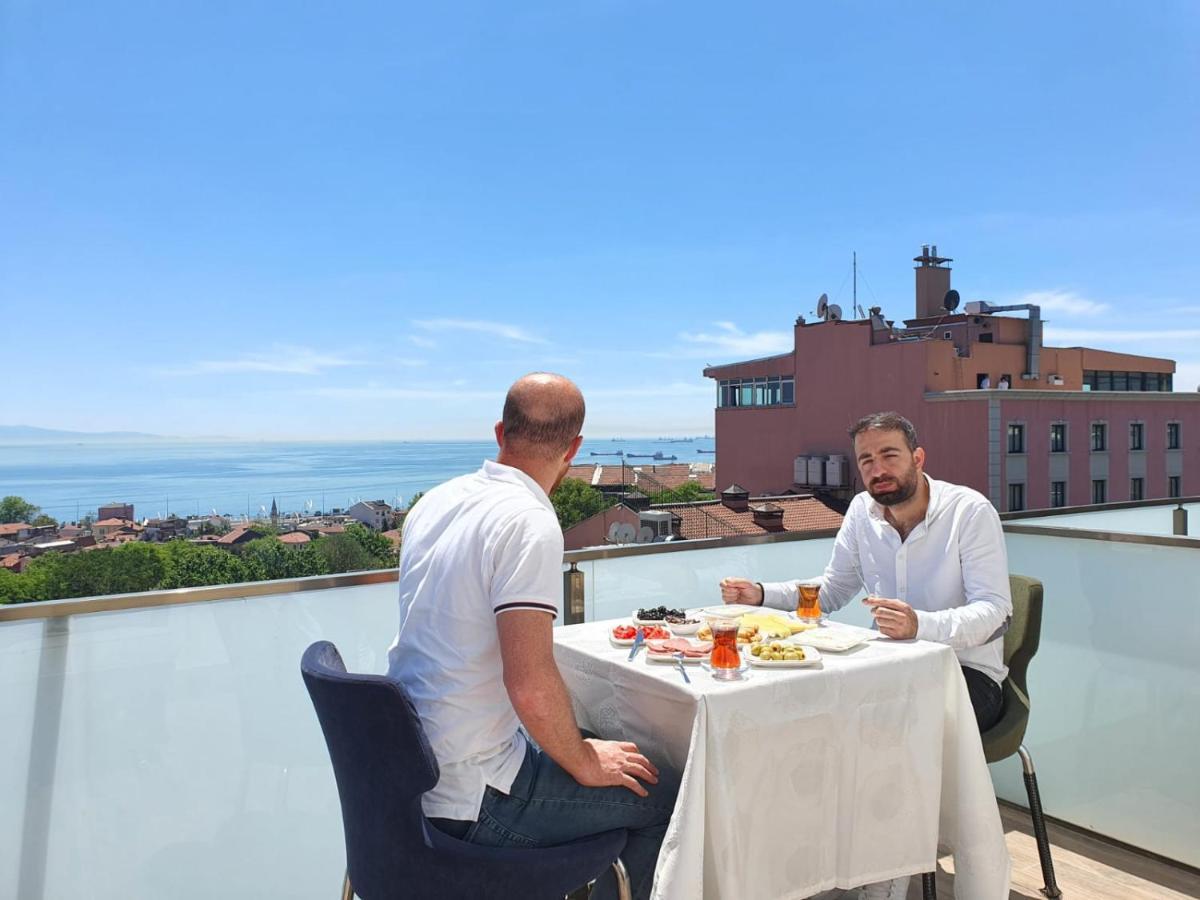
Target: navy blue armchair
(383, 763)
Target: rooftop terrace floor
(1086, 868)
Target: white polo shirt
(473, 548)
(952, 569)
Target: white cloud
(282, 359)
(421, 341)
(1067, 302)
(496, 329)
(729, 340)
(1117, 335)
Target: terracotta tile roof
(393, 536)
(13, 528)
(294, 537)
(112, 523)
(712, 519)
(12, 561)
(238, 535)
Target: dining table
(855, 769)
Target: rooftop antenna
(823, 305)
(950, 303)
(858, 310)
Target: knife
(682, 670)
(637, 643)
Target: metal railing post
(573, 596)
(1179, 520)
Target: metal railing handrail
(1095, 507)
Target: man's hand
(610, 763)
(740, 590)
(895, 618)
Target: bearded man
(931, 556)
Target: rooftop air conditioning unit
(1056, 379)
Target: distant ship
(658, 455)
(699, 450)
(609, 453)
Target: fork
(682, 670)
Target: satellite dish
(645, 535)
(833, 313)
(822, 305)
(613, 531)
(951, 301)
(625, 533)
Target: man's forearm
(544, 708)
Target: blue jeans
(546, 806)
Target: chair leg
(1039, 824)
(624, 892)
(347, 891)
(929, 886)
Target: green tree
(194, 565)
(10, 587)
(576, 500)
(342, 553)
(688, 492)
(16, 509)
(130, 568)
(374, 543)
(271, 559)
(44, 519)
(412, 501)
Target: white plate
(730, 610)
(636, 621)
(672, 659)
(811, 657)
(833, 638)
(620, 642)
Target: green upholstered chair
(1004, 738)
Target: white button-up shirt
(473, 548)
(952, 569)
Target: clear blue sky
(356, 219)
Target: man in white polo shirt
(480, 588)
(931, 556)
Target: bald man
(480, 588)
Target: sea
(69, 480)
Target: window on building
(1150, 381)
(1137, 436)
(1120, 381)
(1016, 497)
(1135, 381)
(1058, 437)
(1099, 490)
(773, 390)
(1174, 489)
(1172, 435)
(1137, 489)
(1089, 379)
(1104, 381)
(986, 339)
(1058, 493)
(1016, 438)
(1099, 436)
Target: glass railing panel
(176, 753)
(1115, 690)
(689, 578)
(1136, 520)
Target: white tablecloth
(800, 780)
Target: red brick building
(1074, 426)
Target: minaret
(274, 512)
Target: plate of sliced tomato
(624, 634)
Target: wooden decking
(1087, 869)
